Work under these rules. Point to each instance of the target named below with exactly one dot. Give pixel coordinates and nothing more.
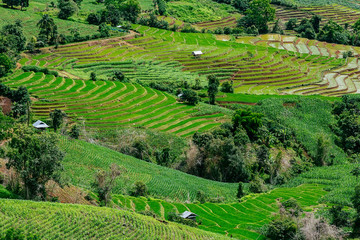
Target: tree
(161, 6)
(291, 24)
(240, 191)
(213, 88)
(57, 117)
(104, 30)
(93, 76)
(356, 172)
(5, 65)
(190, 96)
(129, 10)
(47, 27)
(260, 13)
(118, 76)
(105, 182)
(12, 3)
(75, 132)
(281, 227)
(36, 159)
(241, 5)
(249, 120)
(139, 189)
(322, 151)
(12, 38)
(67, 8)
(315, 22)
(227, 87)
(356, 204)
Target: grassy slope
(308, 118)
(64, 221)
(30, 18)
(241, 220)
(83, 159)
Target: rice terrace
(180, 119)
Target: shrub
(75, 132)
(201, 197)
(281, 228)
(93, 76)
(139, 189)
(292, 207)
(240, 192)
(39, 69)
(227, 87)
(257, 185)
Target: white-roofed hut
(40, 125)
(197, 53)
(188, 215)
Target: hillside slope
(64, 221)
(83, 159)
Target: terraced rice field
(65, 221)
(83, 159)
(340, 14)
(240, 220)
(108, 104)
(225, 22)
(259, 67)
(335, 82)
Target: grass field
(32, 16)
(65, 221)
(256, 67)
(108, 104)
(83, 159)
(242, 220)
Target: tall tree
(105, 182)
(67, 8)
(260, 13)
(47, 27)
(57, 118)
(213, 88)
(129, 9)
(36, 159)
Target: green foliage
(339, 217)
(227, 87)
(93, 76)
(139, 189)
(282, 228)
(12, 39)
(129, 10)
(240, 192)
(104, 30)
(213, 84)
(201, 197)
(57, 118)
(292, 207)
(105, 182)
(356, 204)
(40, 69)
(249, 120)
(36, 159)
(17, 234)
(75, 132)
(5, 65)
(291, 24)
(67, 8)
(189, 96)
(48, 28)
(257, 185)
(260, 13)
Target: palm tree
(46, 25)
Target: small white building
(40, 125)
(197, 53)
(188, 215)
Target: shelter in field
(40, 125)
(188, 215)
(197, 53)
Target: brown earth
(5, 105)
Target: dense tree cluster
(240, 151)
(20, 97)
(14, 3)
(36, 159)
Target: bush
(139, 189)
(257, 185)
(2, 178)
(240, 192)
(201, 197)
(281, 228)
(40, 69)
(227, 87)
